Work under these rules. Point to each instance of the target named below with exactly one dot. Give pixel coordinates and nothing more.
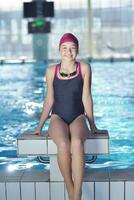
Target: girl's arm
(47, 106)
(87, 96)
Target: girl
(69, 100)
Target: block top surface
(102, 134)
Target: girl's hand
(37, 131)
(94, 129)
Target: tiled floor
(99, 184)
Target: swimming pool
(22, 91)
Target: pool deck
(98, 184)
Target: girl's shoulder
(50, 70)
(85, 65)
(85, 68)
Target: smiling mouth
(70, 56)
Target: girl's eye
(64, 48)
(73, 48)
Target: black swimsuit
(68, 96)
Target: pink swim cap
(69, 37)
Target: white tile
(66, 194)
(117, 190)
(101, 190)
(27, 191)
(13, 191)
(55, 174)
(57, 191)
(129, 190)
(98, 146)
(2, 191)
(52, 148)
(42, 191)
(32, 147)
(88, 191)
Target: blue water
(22, 92)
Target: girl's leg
(79, 133)
(59, 132)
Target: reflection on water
(22, 92)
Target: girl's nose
(69, 50)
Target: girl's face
(68, 51)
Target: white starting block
(29, 144)
(42, 145)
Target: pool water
(22, 92)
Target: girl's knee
(64, 146)
(77, 144)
